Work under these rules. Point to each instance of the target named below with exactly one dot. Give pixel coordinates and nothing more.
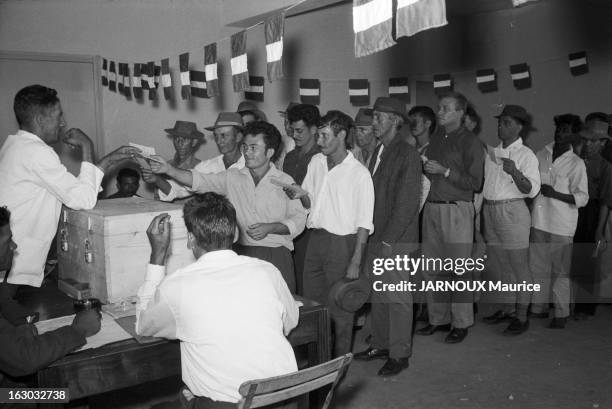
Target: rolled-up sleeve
(579, 185)
(209, 182)
(364, 199)
(153, 315)
(529, 167)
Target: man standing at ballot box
(231, 313)
(34, 183)
(455, 167)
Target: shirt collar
(29, 135)
(215, 255)
(514, 145)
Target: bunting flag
(210, 68)
(104, 72)
(442, 83)
(198, 84)
(486, 80)
(144, 74)
(372, 25)
(185, 82)
(359, 92)
(521, 76)
(274, 29)
(414, 16)
(120, 77)
(127, 91)
(398, 88)
(112, 77)
(151, 80)
(578, 63)
(137, 81)
(166, 79)
(240, 71)
(255, 91)
(310, 91)
(156, 75)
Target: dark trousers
(280, 257)
(300, 244)
(584, 271)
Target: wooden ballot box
(107, 247)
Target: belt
(442, 201)
(504, 201)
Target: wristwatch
(447, 173)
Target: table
(128, 363)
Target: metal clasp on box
(88, 252)
(64, 239)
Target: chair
(262, 392)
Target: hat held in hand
(350, 295)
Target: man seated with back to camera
(230, 312)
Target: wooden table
(129, 363)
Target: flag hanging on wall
(166, 79)
(486, 80)
(137, 81)
(372, 25)
(127, 91)
(255, 91)
(310, 91)
(112, 77)
(144, 74)
(104, 72)
(157, 75)
(578, 63)
(120, 77)
(151, 80)
(210, 68)
(198, 84)
(359, 92)
(414, 16)
(521, 77)
(442, 83)
(185, 82)
(398, 88)
(240, 70)
(274, 28)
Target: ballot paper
(110, 331)
(277, 182)
(146, 151)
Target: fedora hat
(226, 119)
(247, 106)
(391, 105)
(350, 295)
(595, 131)
(364, 117)
(185, 129)
(517, 112)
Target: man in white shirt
(231, 313)
(511, 176)
(553, 220)
(34, 183)
(339, 192)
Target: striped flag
(198, 84)
(310, 91)
(398, 88)
(210, 68)
(151, 80)
(521, 77)
(255, 91)
(185, 82)
(156, 75)
(442, 83)
(240, 71)
(112, 77)
(120, 77)
(578, 63)
(486, 80)
(144, 74)
(372, 25)
(137, 81)
(127, 91)
(104, 72)
(274, 28)
(359, 92)
(414, 16)
(166, 79)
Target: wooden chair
(262, 392)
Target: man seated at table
(22, 350)
(230, 312)
(128, 182)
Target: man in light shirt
(231, 313)
(511, 175)
(34, 183)
(339, 192)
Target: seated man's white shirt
(33, 186)
(231, 314)
(213, 165)
(342, 199)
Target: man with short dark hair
(128, 182)
(422, 122)
(231, 313)
(267, 218)
(34, 184)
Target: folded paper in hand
(146, 151)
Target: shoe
(557, 323)
(497, 317)
(430, 329)
(456, 335)
(538, 315)
(371, 353)
(516, 327)
(393, 366)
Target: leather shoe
(431, 329)
(499, 316)
(371, 353)
(456, 335)
(557, 323)
(393, 366)
(516, 327)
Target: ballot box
(107, 247)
